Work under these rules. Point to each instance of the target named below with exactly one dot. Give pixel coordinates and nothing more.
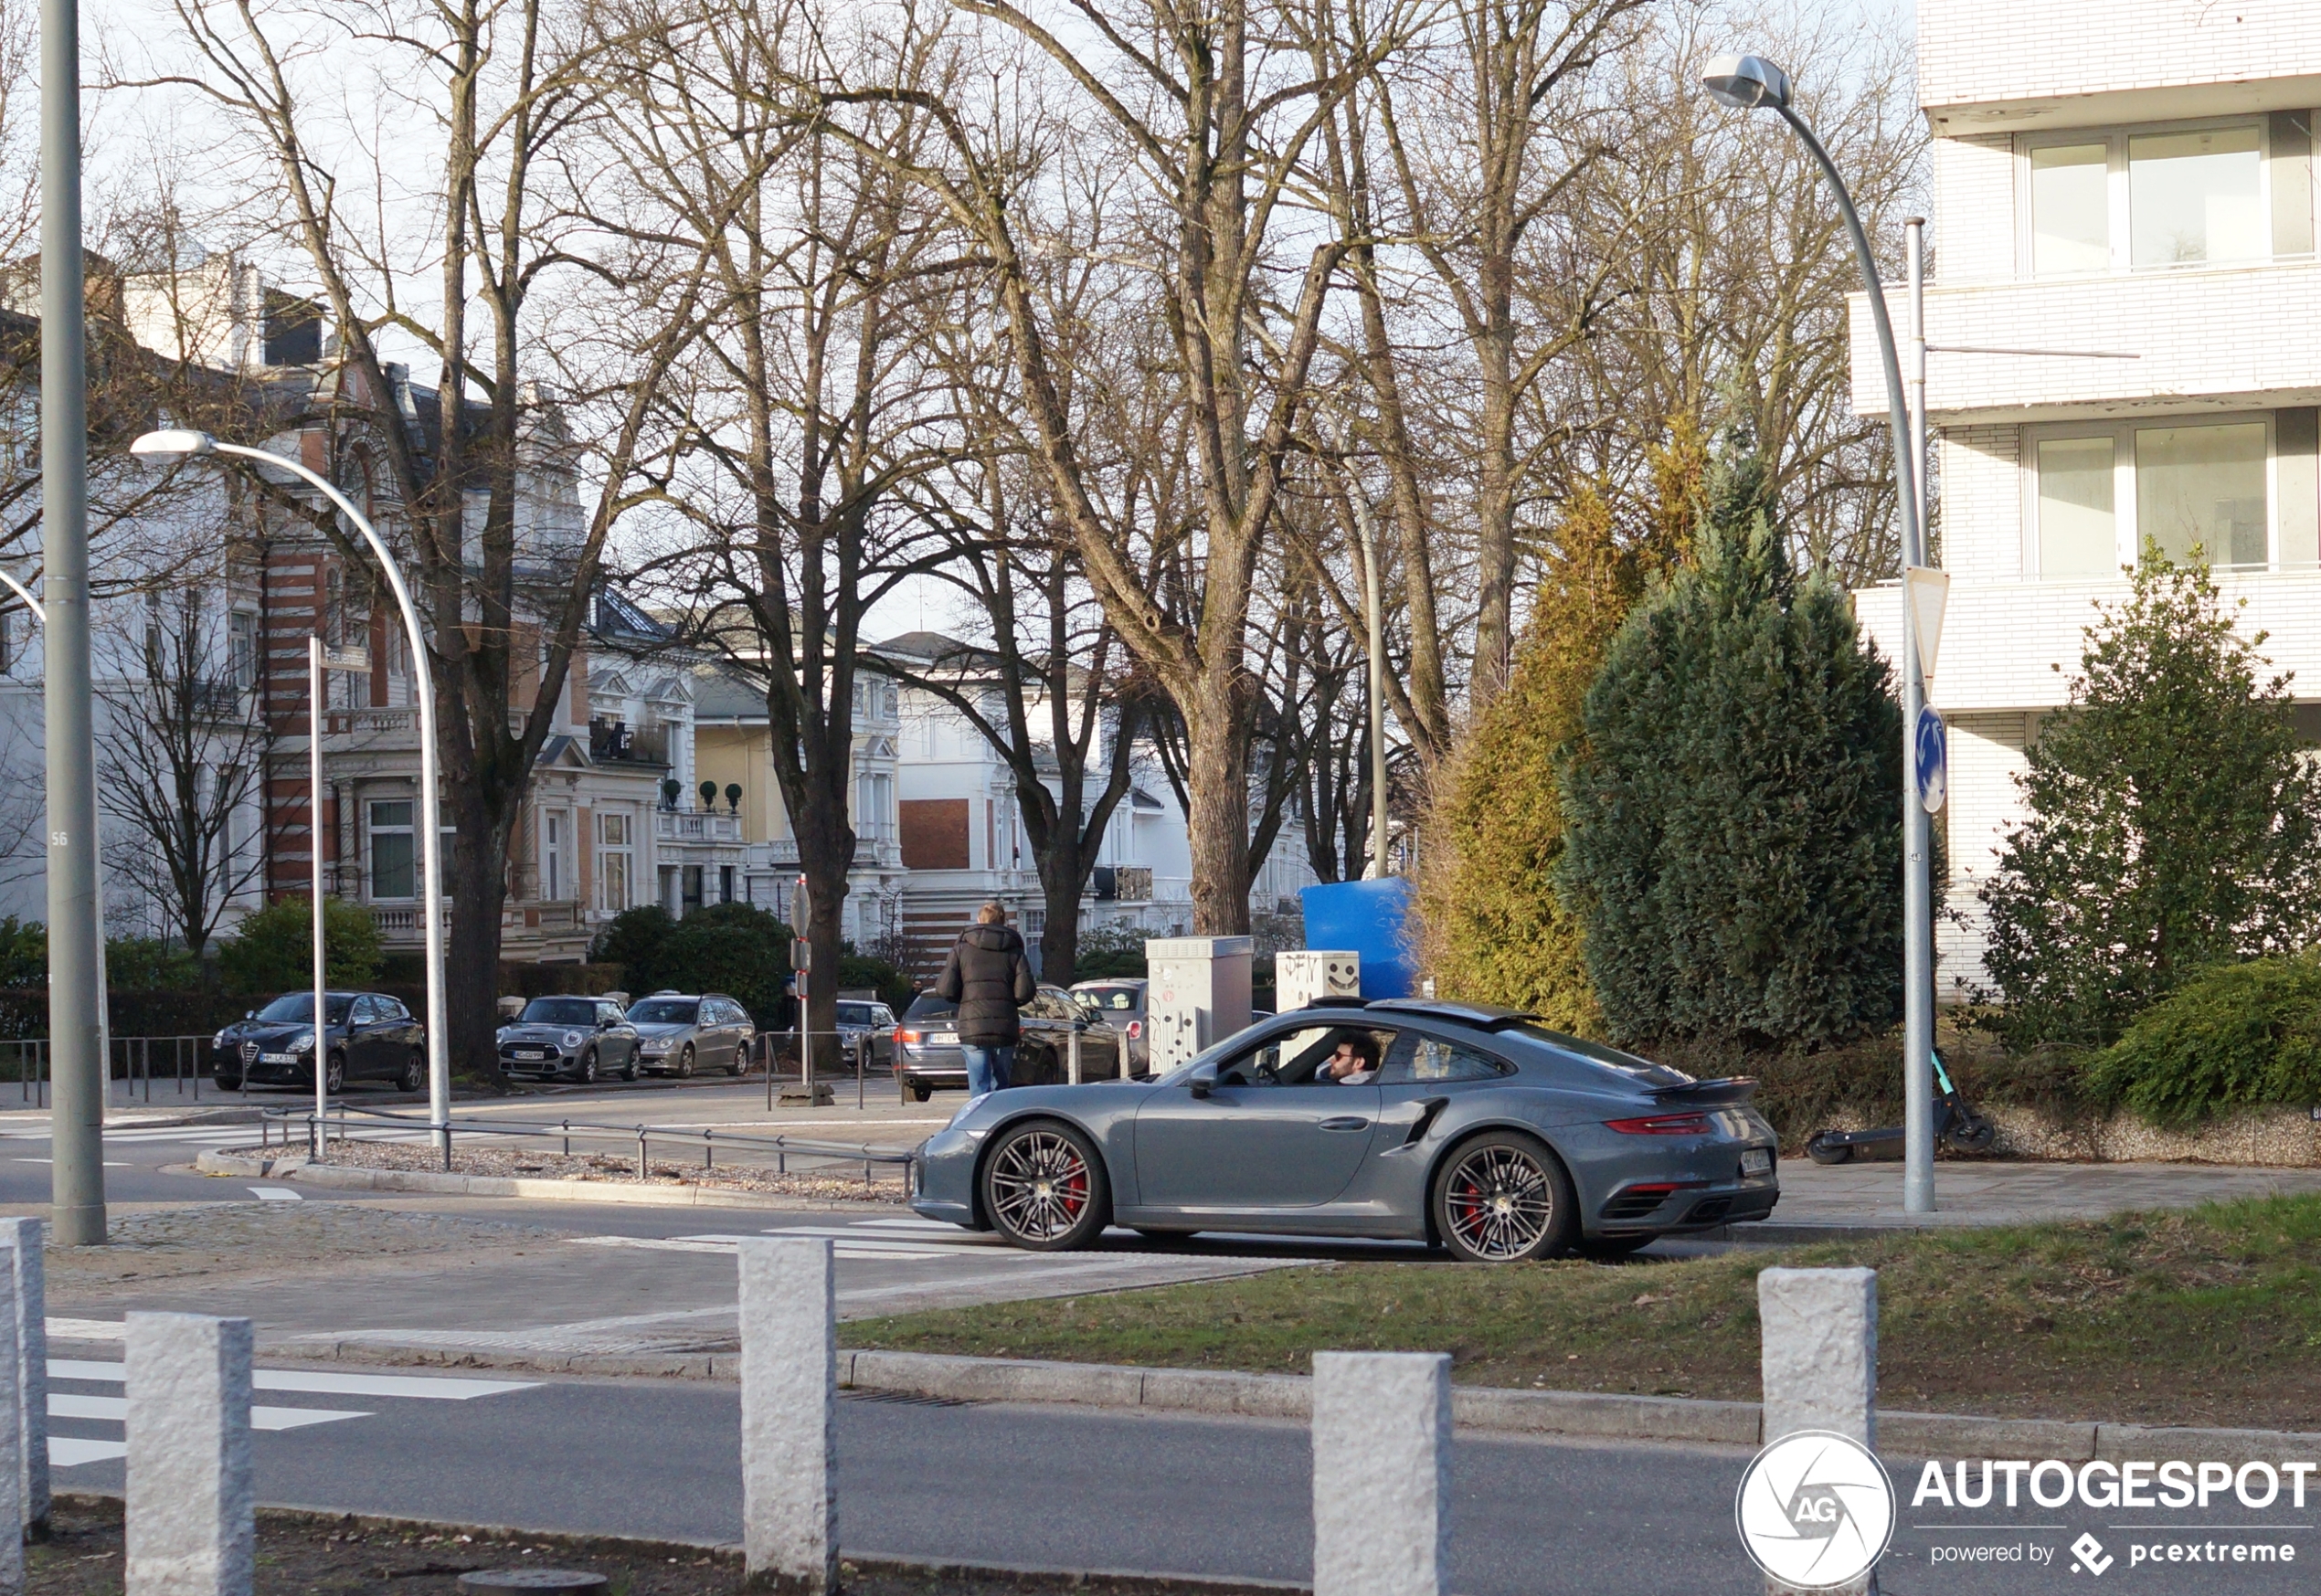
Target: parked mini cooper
(576, 1038)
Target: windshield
(927, 1005)
(300, 1007)
(664, 1011)
(1110, 997)
(559, 1011)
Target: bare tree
(504, 270)
(1207, 116)
(806, 398)
(182, 753)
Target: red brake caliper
(1076, 1190)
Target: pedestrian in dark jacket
(989, 977)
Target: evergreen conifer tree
(2175, 823)
(1734, 841)
(1494, 930)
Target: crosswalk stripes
(81, 1407)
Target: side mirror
(1204, 1081)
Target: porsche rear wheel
(1504, 1198)
(1043, 1187)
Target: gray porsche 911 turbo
(1472, 1128)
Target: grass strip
(2206, 1316)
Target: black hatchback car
(366, 1036)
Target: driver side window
(1296, 1058)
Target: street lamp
(1746, 83)
(169, 446)
(1374, 627)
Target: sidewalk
(1850, 1198)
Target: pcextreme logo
(1815, 1510)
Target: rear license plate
(944, 1039)
(530, 1053)
(1756, 1161)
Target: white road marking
(322, 1382)
(71, 1450)
(109, 1164)
(277, 1194)
(75, 1405)
(658, 1243)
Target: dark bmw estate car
(366, 1036)
(1470, 1128)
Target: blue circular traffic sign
(1930, 759)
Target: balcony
(613, 742)
(695, 826)
(2218, 337)
(1982, 65)
(2002, 641)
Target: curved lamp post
(104, 991)
(169, 446)
(1747, 83)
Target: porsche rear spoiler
(1721, 1093)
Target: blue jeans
(987, 1068)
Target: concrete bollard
(12, 1373)
(788, 1415)
(1817, 1357)
(191, 1501)
(1381, 1427)
(24, 1240)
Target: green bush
(1732, 848)
(150, 964)
(24, 953)
(1109, 952)
(859, 972)
(273, 950)
(738, 949)
(2234, 1036)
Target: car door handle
(1345, 1122)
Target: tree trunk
(1062, 877)
(1217, 789)
(479, 890)
(825, 852)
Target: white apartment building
(2121, 320)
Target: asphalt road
(1059, 1488)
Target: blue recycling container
(1372, 918)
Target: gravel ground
(299, 1554)
(238, 1238)
(840, 1181)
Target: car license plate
(530, 1053)
(945, 1039)
(1756, 1161)
(278, 1058)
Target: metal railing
(182, 1061)
(707, 1137)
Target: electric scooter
(1956, 1126)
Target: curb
(1600, 1415)
(728, 1555)
(294, 1166)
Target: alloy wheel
(1040, 1186)
(1500, 1203)
(335, 1076)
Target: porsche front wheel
(1504, 1198)
(1045, 1188)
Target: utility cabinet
(1197, 993)
(1303, 979)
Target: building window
(2070, 208)
(2197, 197)
(2203, 486)
(552, 857)
(2077, 533)
(241, 649)
(394, 873)
(725, 884)
(615, 840)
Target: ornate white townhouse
(2122, 320)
